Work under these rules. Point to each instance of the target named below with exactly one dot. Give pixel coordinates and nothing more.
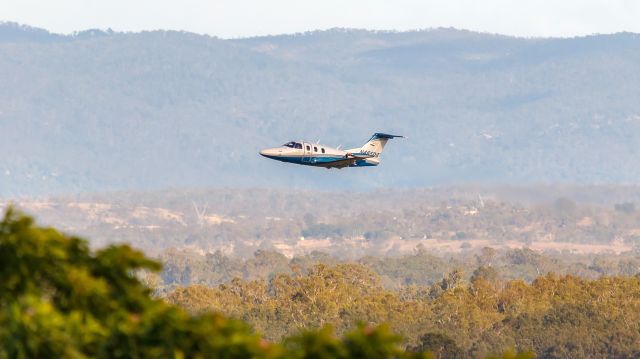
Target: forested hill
(101, 110)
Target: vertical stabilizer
(376, 144)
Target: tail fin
(375, 145)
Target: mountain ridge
(164, 109)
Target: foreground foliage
(60, 300)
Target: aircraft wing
(346, 162)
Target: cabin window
(315, 149)
(308, 148)
(298, 146)
(323, 150)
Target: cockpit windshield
(293, 145)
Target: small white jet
(313, 154)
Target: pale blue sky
(241, 18)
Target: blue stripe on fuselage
(317, 160)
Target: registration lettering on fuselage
(371, 153)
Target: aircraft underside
(326, 162)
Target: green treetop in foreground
(60, 299)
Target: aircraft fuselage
(310, 154)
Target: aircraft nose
(270, 152)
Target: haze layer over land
(239, 222)
(102, 111)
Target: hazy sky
(240, 18)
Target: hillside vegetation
(556, 317)
(103, 110)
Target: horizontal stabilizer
(384, 135)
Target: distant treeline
(185, 267)
(468, 304)
(554, 316)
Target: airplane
(313, 154)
